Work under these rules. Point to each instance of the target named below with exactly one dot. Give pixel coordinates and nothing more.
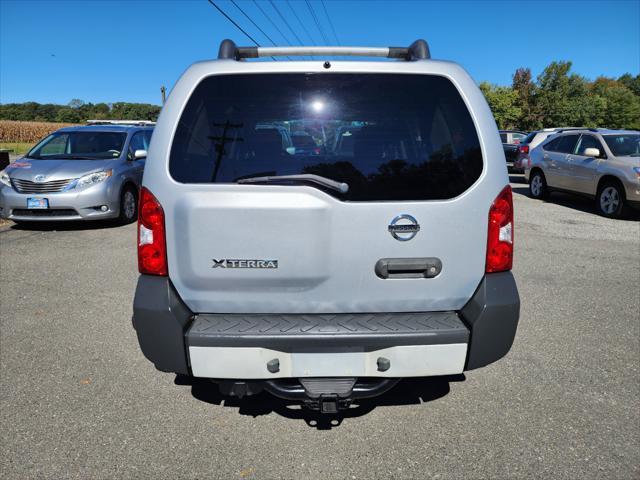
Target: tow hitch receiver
(329, 404)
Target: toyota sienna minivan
(325, 274)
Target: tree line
(556, 98)
(77, 111)
(560, 98)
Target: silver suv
(602, 164)
(78, 173)
(325, 273)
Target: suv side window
(552, 146)
(503, 137)
(137, 143)
(567, 143)
(588, 141)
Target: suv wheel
(128, 205)
(538, 185)
(610, 200)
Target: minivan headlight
(90, 179)
(4, 178)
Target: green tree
(68, 115)
(631, 82)
(525, 89)
(622, 108)
(503, 104)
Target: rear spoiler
(418, 50)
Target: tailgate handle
(423, 267)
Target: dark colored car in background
(510, 144)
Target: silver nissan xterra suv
(325, 274)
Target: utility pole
(219, 147)
(163, 92)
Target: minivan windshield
(388, 136)
(627, 145)
(79, 145)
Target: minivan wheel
(128, 205)
(610, 200)
(538, 186)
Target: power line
(315, 19)
(330, 22)
(254, 23)
(236, 25)
(285, 21)
(231, 20)
(300, 22)
(272, 23)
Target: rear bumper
(337, 345)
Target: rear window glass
(389, 137)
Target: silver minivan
(325, 274)
(90, 172)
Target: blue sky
(108, 51)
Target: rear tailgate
(418, 158)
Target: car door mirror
(140, 154)
(588, 152)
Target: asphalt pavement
(79, 400)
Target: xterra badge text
(231, 263)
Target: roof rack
(568, 129)
(137, 123)
(418, 50)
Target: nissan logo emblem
(404, 227)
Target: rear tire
(128, 205)
(610, 199)
(538, 186)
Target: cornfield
(27, 132)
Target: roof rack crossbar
(121, 122)
(571, 129)
(418, 50)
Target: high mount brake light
(500, 233)
(152, 249)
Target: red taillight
(500, 235)
(152, 249)
(524, 148)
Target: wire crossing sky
(117, 50)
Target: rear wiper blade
(307, 177)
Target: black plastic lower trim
(161, 319)
(492, 317)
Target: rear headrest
(371, 141)
(267, 141)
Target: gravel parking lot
(78, 399)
